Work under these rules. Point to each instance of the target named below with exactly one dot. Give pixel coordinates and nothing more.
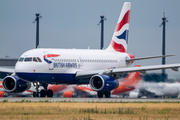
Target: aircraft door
(51, 65)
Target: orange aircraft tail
(129, 82)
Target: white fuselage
(61, 63)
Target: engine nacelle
(103, 83)
(69, 94)
(3, 94)
(14, 84)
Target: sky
(73, 24)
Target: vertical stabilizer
(120, 37)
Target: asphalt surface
(88, 100)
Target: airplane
(126, 84)
(98, 68)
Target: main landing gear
(107, 94)
(44, 92)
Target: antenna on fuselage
(37, 28)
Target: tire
(34, 94)
(38, 94)
(50, 93)
(99, 94)
(107, 94)
(43, 93)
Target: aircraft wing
(8, 70)
(142, 69)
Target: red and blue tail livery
(120, 37)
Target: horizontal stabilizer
(150, 57)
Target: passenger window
(34, 59)
(39, 59)
(21, 59)
(28, 59)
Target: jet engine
(103, 83)
(14, 84)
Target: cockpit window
(39, 59)
(28, 59)
(21, 59)
(34, 59)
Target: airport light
(102, 30)
(37, 28)
(164, 20)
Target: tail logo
(121, 33)
(118, 47)
(124, 36)
(119, 39)
(124, 21)
(49, 56)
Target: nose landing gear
(44, 92)
(37, 93)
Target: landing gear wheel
(43, 93)
(107, 94)
(49, 93)
(34, 94)
(99, 94)
(38, 94)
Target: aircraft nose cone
(19, 70)
(24, 72)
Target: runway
(89, 100)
